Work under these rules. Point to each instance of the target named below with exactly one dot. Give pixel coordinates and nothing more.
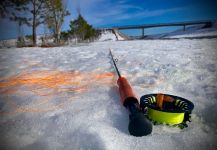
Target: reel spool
(167, 109)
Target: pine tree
(80, 29)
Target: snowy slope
(8, 43)
(13, 42)
(194, 31)
(107, 36)
(118, 35)
(84, 111)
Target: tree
(38, 12)
(55, 17)
(64, 35)
(80, 29)
(8, 7)
(32, 15)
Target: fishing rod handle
(125, 90)
(138, 125)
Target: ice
(95, 118)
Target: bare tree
(33, 15)
(38, 13)
(55, 17)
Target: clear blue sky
(108, 13)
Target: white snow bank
(13, 42)
(107, 36)
(8, 43)
(196, 34)
(95, 118)
(194, 31)
(119, 37)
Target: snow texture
(118, 35)
(194, 31)
(107, 36)
(95, 118)
(13, 42)
(8, 43)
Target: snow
(107, 36)
(194, 31)
(94, 118)
(8, 43)
(120, 38)
(196, 35)
(118, 35)
(13, 42)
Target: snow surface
(120, 38)
(13, 42)
(8, 43)
(107, 36)
(194, 31)
(118, 35)
(95, 118)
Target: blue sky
(108, 13)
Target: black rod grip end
(139, 125)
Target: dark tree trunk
(34, 32)
(34, 26)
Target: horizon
(98, 13)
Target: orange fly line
(45, 85)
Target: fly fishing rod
(139, 125)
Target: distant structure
(206, 23)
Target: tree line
(50, 13)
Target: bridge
(206, 23)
